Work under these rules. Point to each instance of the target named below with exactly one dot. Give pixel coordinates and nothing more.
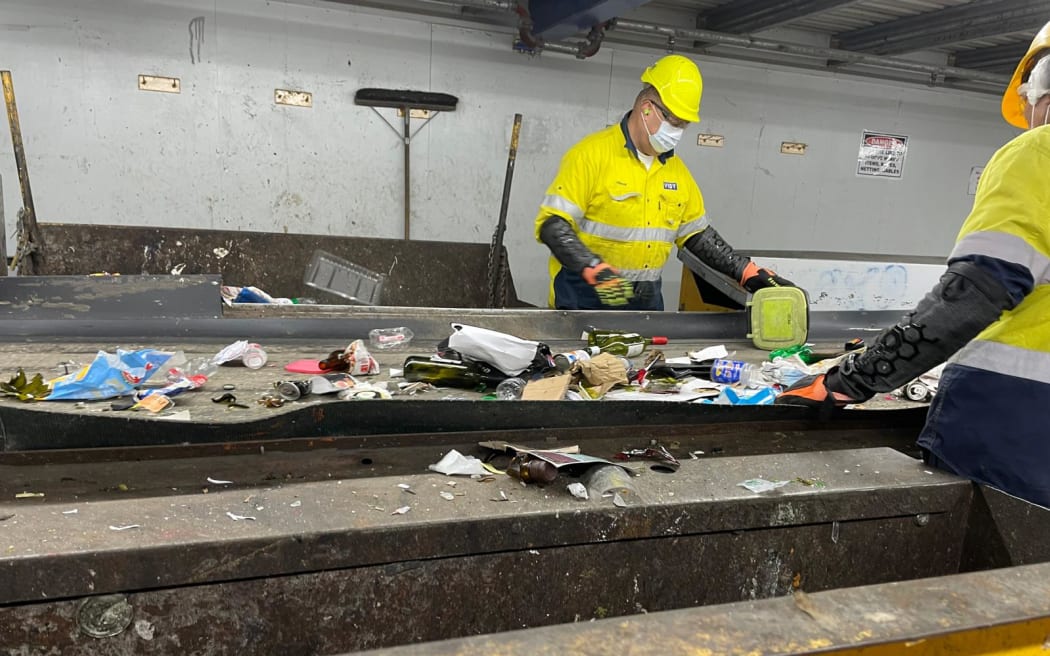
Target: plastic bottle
(625, 344)
(468, 374)
(510, 389)
(388, 338)
(564, 361)
(254, 357)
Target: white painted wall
(222, 155)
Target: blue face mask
(665, 138)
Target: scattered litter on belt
(127, 527)
(619, 501)
(108, 375)
(26, 389)
(402, 510)
(295, 504)
(811, 482)
(364, 392)
(511, 355)
(455, 463)
(502, 496)
(657, 453)
(710, 353)
(216, 481)
(578, 490)
(354, 359)
(6, 516)
(28, 495)
(232, 294)
(331, 383)
(923, 388)
(235, 517)
(694, 454)
(730, 396)
(70, 512)
(759, 485)
(447, 496)
(406, 487)
(153, 403)
(389, 338)
(251, 355)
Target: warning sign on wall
(882, 155)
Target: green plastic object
(779, 317)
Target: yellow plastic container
(779, 317)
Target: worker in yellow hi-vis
(990, 313)
(622, 199)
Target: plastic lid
(659, 340)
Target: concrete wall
(222, 155)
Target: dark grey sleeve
(716, 253)
(566, 246)
(966, 300)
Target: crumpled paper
(455, 463)
(602, 373)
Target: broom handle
(408, 188)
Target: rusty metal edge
(824, 622)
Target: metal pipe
(770, 45)
(32, 259)
(503, 5)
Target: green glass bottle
(467, 374)
(627, 345)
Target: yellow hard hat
(677, 80)
(1013, 103)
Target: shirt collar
(629, 145)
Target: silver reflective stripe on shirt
(1005, 359)
(616, 233)
(641, 275)
(696, 225)
(563, 205)
(1005, 247)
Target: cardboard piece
(547, 389)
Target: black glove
(755, 278)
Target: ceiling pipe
(848, 56)
(937, 73)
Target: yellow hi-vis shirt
(1011, 221)
(629, 216)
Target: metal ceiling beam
(936, 73)
(997, 58)
(558, 19)
(944, 27)
(756, 15)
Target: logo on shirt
(672, 186)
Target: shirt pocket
(671, 209)
(622, 206)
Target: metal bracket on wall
(160, 83)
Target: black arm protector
(963, 303)
(565, 245)
(716, 253)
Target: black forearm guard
(565, 245)
(965, 301)
(716, 253)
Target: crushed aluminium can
(291, 390)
